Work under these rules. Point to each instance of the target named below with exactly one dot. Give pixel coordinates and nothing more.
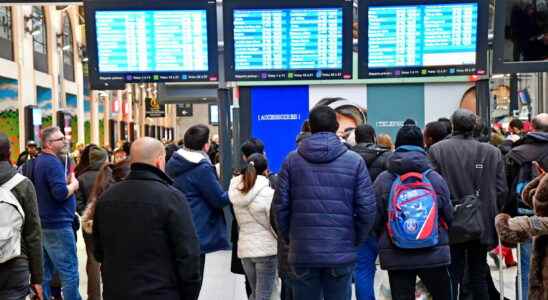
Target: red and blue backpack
(413, 212)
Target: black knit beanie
(409, 136)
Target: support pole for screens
(513, 93)
(483, 106)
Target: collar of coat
(142, 171)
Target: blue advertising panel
(277, 114)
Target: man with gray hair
(521, 170)
(471, 170)
(57, 206)
(143, 233)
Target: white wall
(442, 99)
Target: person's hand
(519, 224)
(37, 288)
(74, 182)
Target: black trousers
(471, 256)
(14, 279)
(436, 280)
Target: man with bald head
(520, 169)
(143, 233)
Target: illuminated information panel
(302, 43)
(420, 40)
(154, 45)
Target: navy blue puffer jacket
(412, 159)
(196, 178)
(324, 204)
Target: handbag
(468, 222)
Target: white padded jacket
(253, 216)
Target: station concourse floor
(221, 284)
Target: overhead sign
(185, 110)
(154, 109)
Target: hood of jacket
(7, 171)
(322, 147)
(408, 159)
(533, 137)
(244, 200)
(184, 160)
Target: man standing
(30, 153)
(57, 206)
(324, 208)
(21, 254)
(471, 168)
(195, 176)
(376, 158)
(520, 170)
(143, 233)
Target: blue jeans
(60, 256)
(525, 261)
(365, 270)
(261, 272)
(287, 287)
(331, 283)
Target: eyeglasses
(57, 140)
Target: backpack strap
(13, 182)
(8, 186)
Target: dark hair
(5, 151)
(436, 130)
(83, 163)
(365, 133)
(126, 146)
(108, 174)
(252, 146)
(464, 121)
(409, 122)
(448, 125)
(256, 165)
(196, 137)
(323, 119)
(516, 123)
(170, 149)
(409, 136)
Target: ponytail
(249, 177)
(256, 166)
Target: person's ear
(206, 147)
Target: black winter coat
(375, 156)
(145, 239)
(455, 158)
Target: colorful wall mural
(9, 113)
(44, 101)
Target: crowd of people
(428, 205)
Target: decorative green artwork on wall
(9, 113)
(44, 101)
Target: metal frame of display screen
(100, 80)
(436, 69)
(230, 7)
(500, 66)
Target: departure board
(132, 41)
(152, 41)
(288, 39)
(422, 40)
(289, 43)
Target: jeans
(261, 272)
(525, 261)
(475, 255)
(436, 280)
(93, 270)
(333, 283)
(287, 287)
(365, 270)
(60, 255)
(14, 279)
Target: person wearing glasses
(57, 206)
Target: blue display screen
(152, 41)
(422, 36)
(288, 39)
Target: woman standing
(251, 196)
